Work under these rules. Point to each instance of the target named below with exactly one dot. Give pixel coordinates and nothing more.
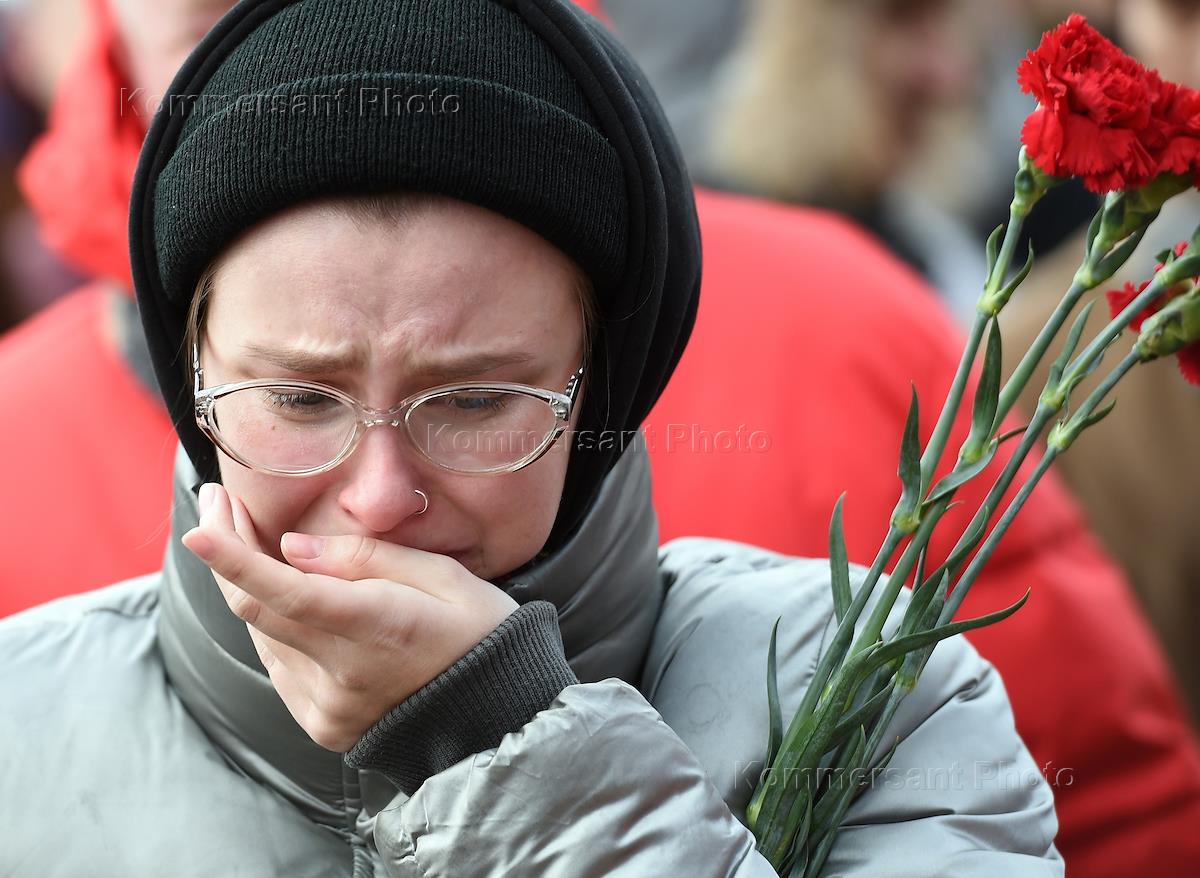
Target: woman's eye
(478, 403)
(299, 401)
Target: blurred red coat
(793, 390)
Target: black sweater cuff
(496, 688)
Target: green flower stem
(1077, 422)
(1029, 362)
(795, 763)
(830, 662)
(945, 422)
(833, 656)
(1042, 416)
(1016, 219)
(989, 546)
(873, 628)
(1082, 364)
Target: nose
(381, 480)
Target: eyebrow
(306, 362)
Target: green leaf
(894, 649)
(1097, 417)
(1060, 363)
(1110, 264)
(910, 448)
(1092, 366)
(839, 565)
(863, 715)
(955, 480)
(1094, 228)
(1010, 434)
(993, 248)
(914, 613)
(987, 394)
(776, 734)
(846, 781)
(910, 668)
(1019, 277)
(910, 468)
(919, 575)
(800, 867)
(967, 543)
(804, 745)
(798, 852)
(834, 805)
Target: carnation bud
(1171, 329)
(1030, 184)
(1127, 212)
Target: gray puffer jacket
(142, 738)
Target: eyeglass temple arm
(574, 384)
(197, 372)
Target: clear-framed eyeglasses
(302, 428)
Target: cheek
(514, 513)
(276, 505)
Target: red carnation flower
(1118, 300)
(1176, 137)
(1189, 362)
(1094, 113)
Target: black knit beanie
(528, 108)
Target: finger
(242, 524)
(227, 513)
(217, 513)
(355, 558)
(320, 602)
(265, 622)
(295, 668)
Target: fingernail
(206, 496)
(198, 543)
(303, 545)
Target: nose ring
(424, 497)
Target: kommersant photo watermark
(671, 438)
(344, 101)
(955, 777)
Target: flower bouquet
(1134, 138)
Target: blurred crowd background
(903, 115)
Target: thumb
(354, 557)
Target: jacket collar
(604, 581)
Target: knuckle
(361, 551)
(235, 569)
(244, 607)
(397, 634)
(349, 682)
(294, 605)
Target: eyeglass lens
(289, 429)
